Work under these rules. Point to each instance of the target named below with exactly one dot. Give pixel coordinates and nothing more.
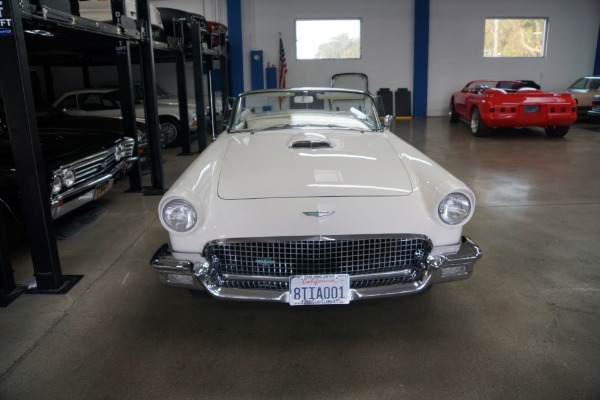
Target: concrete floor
(525, 326)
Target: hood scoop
(310, 144)
(310, 141)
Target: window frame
(544, 38)
(360, 35)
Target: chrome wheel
(478, 127)
(169, 130)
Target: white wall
(456, 42)
(456, 45)
(387, 37)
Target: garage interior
(523, 327)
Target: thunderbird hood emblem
(318, 213)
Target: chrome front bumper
(76, 197)
(444, 264)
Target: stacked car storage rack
(44, 36)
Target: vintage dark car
(83, 158)
(10, 209)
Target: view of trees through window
(327, 39)
(515, 37)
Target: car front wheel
(170, 130)
(478, 127)
(557, 131)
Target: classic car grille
(99, 163)
(267, 264)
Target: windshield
(294, 108)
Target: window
(68, 102)
(328, 39)
(515, 37)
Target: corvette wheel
(557, 131)
(452, 116)
(478, 127)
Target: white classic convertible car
(308, 199)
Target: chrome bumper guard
(455, 264)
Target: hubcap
(169, 131)
(474, 123)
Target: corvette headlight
(454, 208)
(179, 215)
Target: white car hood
(275, 164)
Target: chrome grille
(92, 166)
(96, 165)
(267, 264)
(128, 143)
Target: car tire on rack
(556, 131)
(170, 128)
(452, 115)
(478, 127)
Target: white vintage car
(106, 102)
(308, 199)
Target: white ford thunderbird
(308, 199)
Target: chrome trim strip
(277, 239)
(363, 277)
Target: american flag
(282, 64)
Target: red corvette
(497, 104)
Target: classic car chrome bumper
(76, 197)
(444, 264)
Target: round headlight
(69, 178)
(118, 153)
(454, 208)
(56, 184)
(179, 215)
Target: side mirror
(390, 122)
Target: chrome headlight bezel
(57, 183)
(68, 178)
(179, 215)
(119, 152)
(455, 209)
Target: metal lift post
(31, 175)
(198, 83)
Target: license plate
(102, 188)
(532, 109)
(309, 290)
